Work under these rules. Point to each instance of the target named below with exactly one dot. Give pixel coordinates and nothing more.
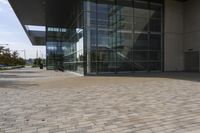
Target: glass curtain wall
(65, 45)
(65, 49)
(123, 36)
(147, 46)
(55, 45)
(73, 52)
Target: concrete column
(88, 36)
(173, 42)
(192, 25)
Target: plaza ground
(40, 101)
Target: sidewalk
(40, 101)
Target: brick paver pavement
(33, 101)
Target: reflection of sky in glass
(35, 28)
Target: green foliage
(38, 61)
(9, 58)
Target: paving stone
(39, 101)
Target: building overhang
(31, 12)
(51, 13)
(47, 13)
(36, 34)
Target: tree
(1, 50)
(37, 62)
(9, 58)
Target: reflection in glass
(123, 35)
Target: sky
(12, 33)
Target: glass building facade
(109, 37)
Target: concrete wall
(192, 25)
(173, 36)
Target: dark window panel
(141, 9)
(106, 66)
(140, 66)
(155, 42)
(141, 24)
(140, 55)
(140, 42)
(155, 11)
(155, 66)
(155, 56)
(157, 1)
(155, 25)
(106, 56)
(124, 66)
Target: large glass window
(123, 35)
(54, 46)
(147, 53)
(73, 54)
(65, 42)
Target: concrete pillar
(173, 36)
(88, 36)
(192, 25)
